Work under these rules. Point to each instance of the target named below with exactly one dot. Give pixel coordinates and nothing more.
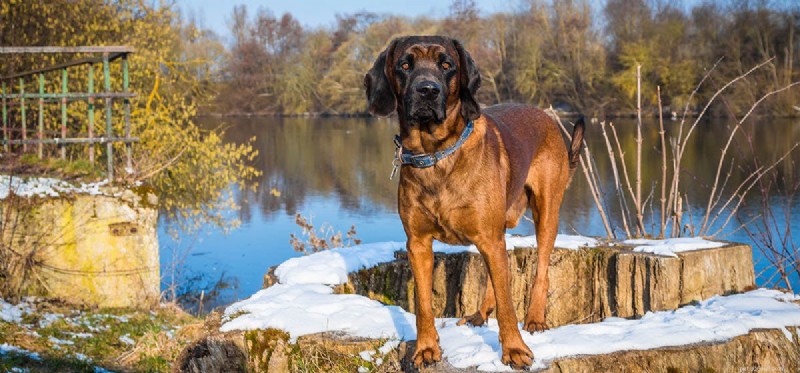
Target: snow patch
(307, 309)
(56, 341)
(12, 313)
(6, 348)
(313, 308)
(45, 187)
(126, 339)
(669, 247)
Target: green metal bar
(127, 105)
(64, 77)
(22, 108)
(41, 115)
(5, 118)
(109, 128)
(91, 112)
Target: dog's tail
(575, 146)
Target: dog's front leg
(515, 351)
(420, 254)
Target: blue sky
(214, 13)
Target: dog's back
(530, 137)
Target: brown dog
(467, 176)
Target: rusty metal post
(109, 125)
(91, 112)
(127, 102)
(63, 113)
(22, 112)
(5, 119)
(40, 132)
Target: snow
(6, 348)
(717, 319)
(126, 339)
(306, 309)
(45, 187)
(12, 313)
(332, 266)
(57, 341)
(311, 308)
(303, 303)
(669, 247)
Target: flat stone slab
(764, 350)
(586, 285)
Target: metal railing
(107, 54)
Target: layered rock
(586, 285)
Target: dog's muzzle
(427, 102)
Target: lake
(336, 171)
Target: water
(335, 170)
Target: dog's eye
(405, 66)
(446, 65)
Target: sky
(213, 14)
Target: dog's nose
(428, 89)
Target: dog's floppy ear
(380, 97)
(470, 81)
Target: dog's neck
(431, 138)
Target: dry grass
(60, 334)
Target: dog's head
(420, 77)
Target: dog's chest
(451, 210)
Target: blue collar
(428, 160)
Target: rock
(270, 351)
(93, 250)
(586, 285)
(216, 353)
(764, 350)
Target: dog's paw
(518, 356)
(534, 326)
(427, 353)
(476, 319)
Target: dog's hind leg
(486, 308)
(545, 204)
(515, 352)
(513, 216)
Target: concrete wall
(92, 250)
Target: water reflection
(345, 159)
(336, 170)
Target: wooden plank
(82, 61)
(85, 49)
(73, 95)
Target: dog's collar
(427, 160)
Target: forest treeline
(565, 53)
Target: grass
(30, 164)
(76, 340)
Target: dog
(466, 175)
